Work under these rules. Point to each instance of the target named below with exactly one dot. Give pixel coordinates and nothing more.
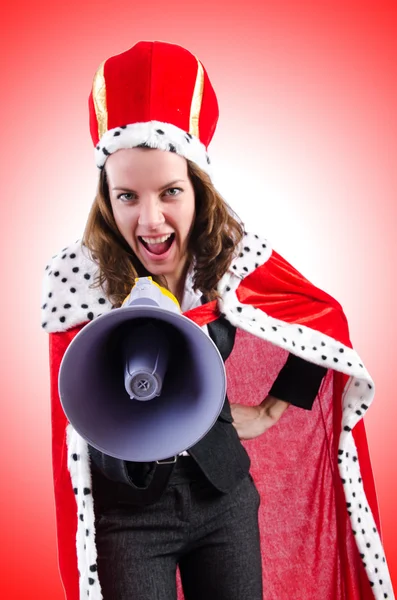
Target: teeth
(158, 240)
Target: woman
(153, 113)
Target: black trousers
(213, 537)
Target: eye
(173, 191)
(126, 197)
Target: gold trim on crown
(99, 97)
(197, 101)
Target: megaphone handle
(146, 360)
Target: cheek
(188, 218)
(184, 224)
(192, 219)
(119, 221)
(123, 219)
(115, 211)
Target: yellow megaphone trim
(161, 288)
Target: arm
(252, 421)
(297, 383)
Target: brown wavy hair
(215, 234)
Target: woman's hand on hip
(252, 421)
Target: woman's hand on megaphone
(252, 421)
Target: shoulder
(69, 294)
(253, 251)
(258, 267)
(259, 278)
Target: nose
(150, 216)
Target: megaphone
(142, 382)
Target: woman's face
(153, 205)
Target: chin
(156, 268)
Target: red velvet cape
(308, 547)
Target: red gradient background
(305, 153)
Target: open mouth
(159, 245)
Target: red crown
(151, 82)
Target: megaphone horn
(142, 382)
